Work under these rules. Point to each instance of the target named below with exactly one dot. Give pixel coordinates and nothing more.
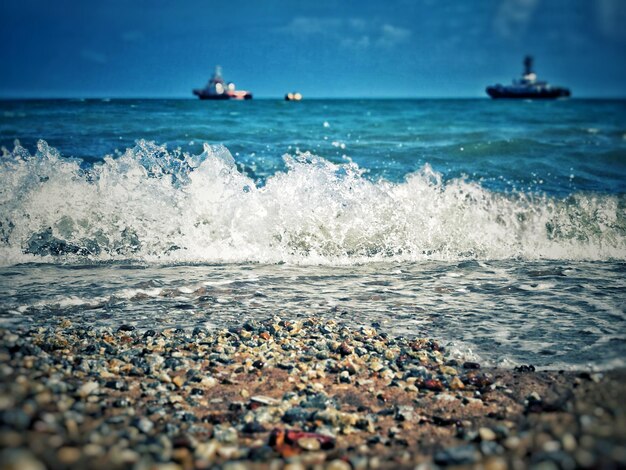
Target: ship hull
(224, 96)
(214, 97)
(544, 94)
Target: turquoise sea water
(554, 146)
(499, 227)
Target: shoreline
(290, 394)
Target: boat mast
(528, 65)
(217, 75)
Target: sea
(496, 227)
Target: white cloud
(354, 33)
(307, 26)
(391, 35)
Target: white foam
(155, 205)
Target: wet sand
(281, 394)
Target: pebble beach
(283, 394)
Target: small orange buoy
(293, 96)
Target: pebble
(569, 442)
(551, 446)
(68, 455)
(18, 459)
(457, 384)
(225, 434)
(461, 455)
(87, 389)
(263, 400)
(486, 434)
(144, 425)
(294, 466)
(405, 413)
(309, 443)
(534, 396)
(495, 463)
(93, 450)
(545, 465)
(491, 448)
(338, 465)
(208, 382)
(207, 450)
(512, 442)
(584, 458)
(228, 452)
(296, 414)
(166, 466)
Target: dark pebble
(262, 454)
(236, 406)
(345, 349)
(15, 418)
(253, 427)
(251, 325)
(440, 421)
(296, 414)
(199, 331)
(560, 458)
(462, 455)
(319, 400)
(471, 365)
(90, 349)
(433, 384)
(491, 448)
(184, 306)
(116, 385)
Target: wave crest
(157, 205)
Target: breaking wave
(152, 204)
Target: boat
(528, 87)
(295, 96)
(218, 89)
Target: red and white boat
(218, 89)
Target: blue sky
(322, 48)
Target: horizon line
(315, 98)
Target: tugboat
(218, 89)
(528, 87)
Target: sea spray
(152, 204)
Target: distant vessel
(295, 96)
(218, 89)
(528, 87)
